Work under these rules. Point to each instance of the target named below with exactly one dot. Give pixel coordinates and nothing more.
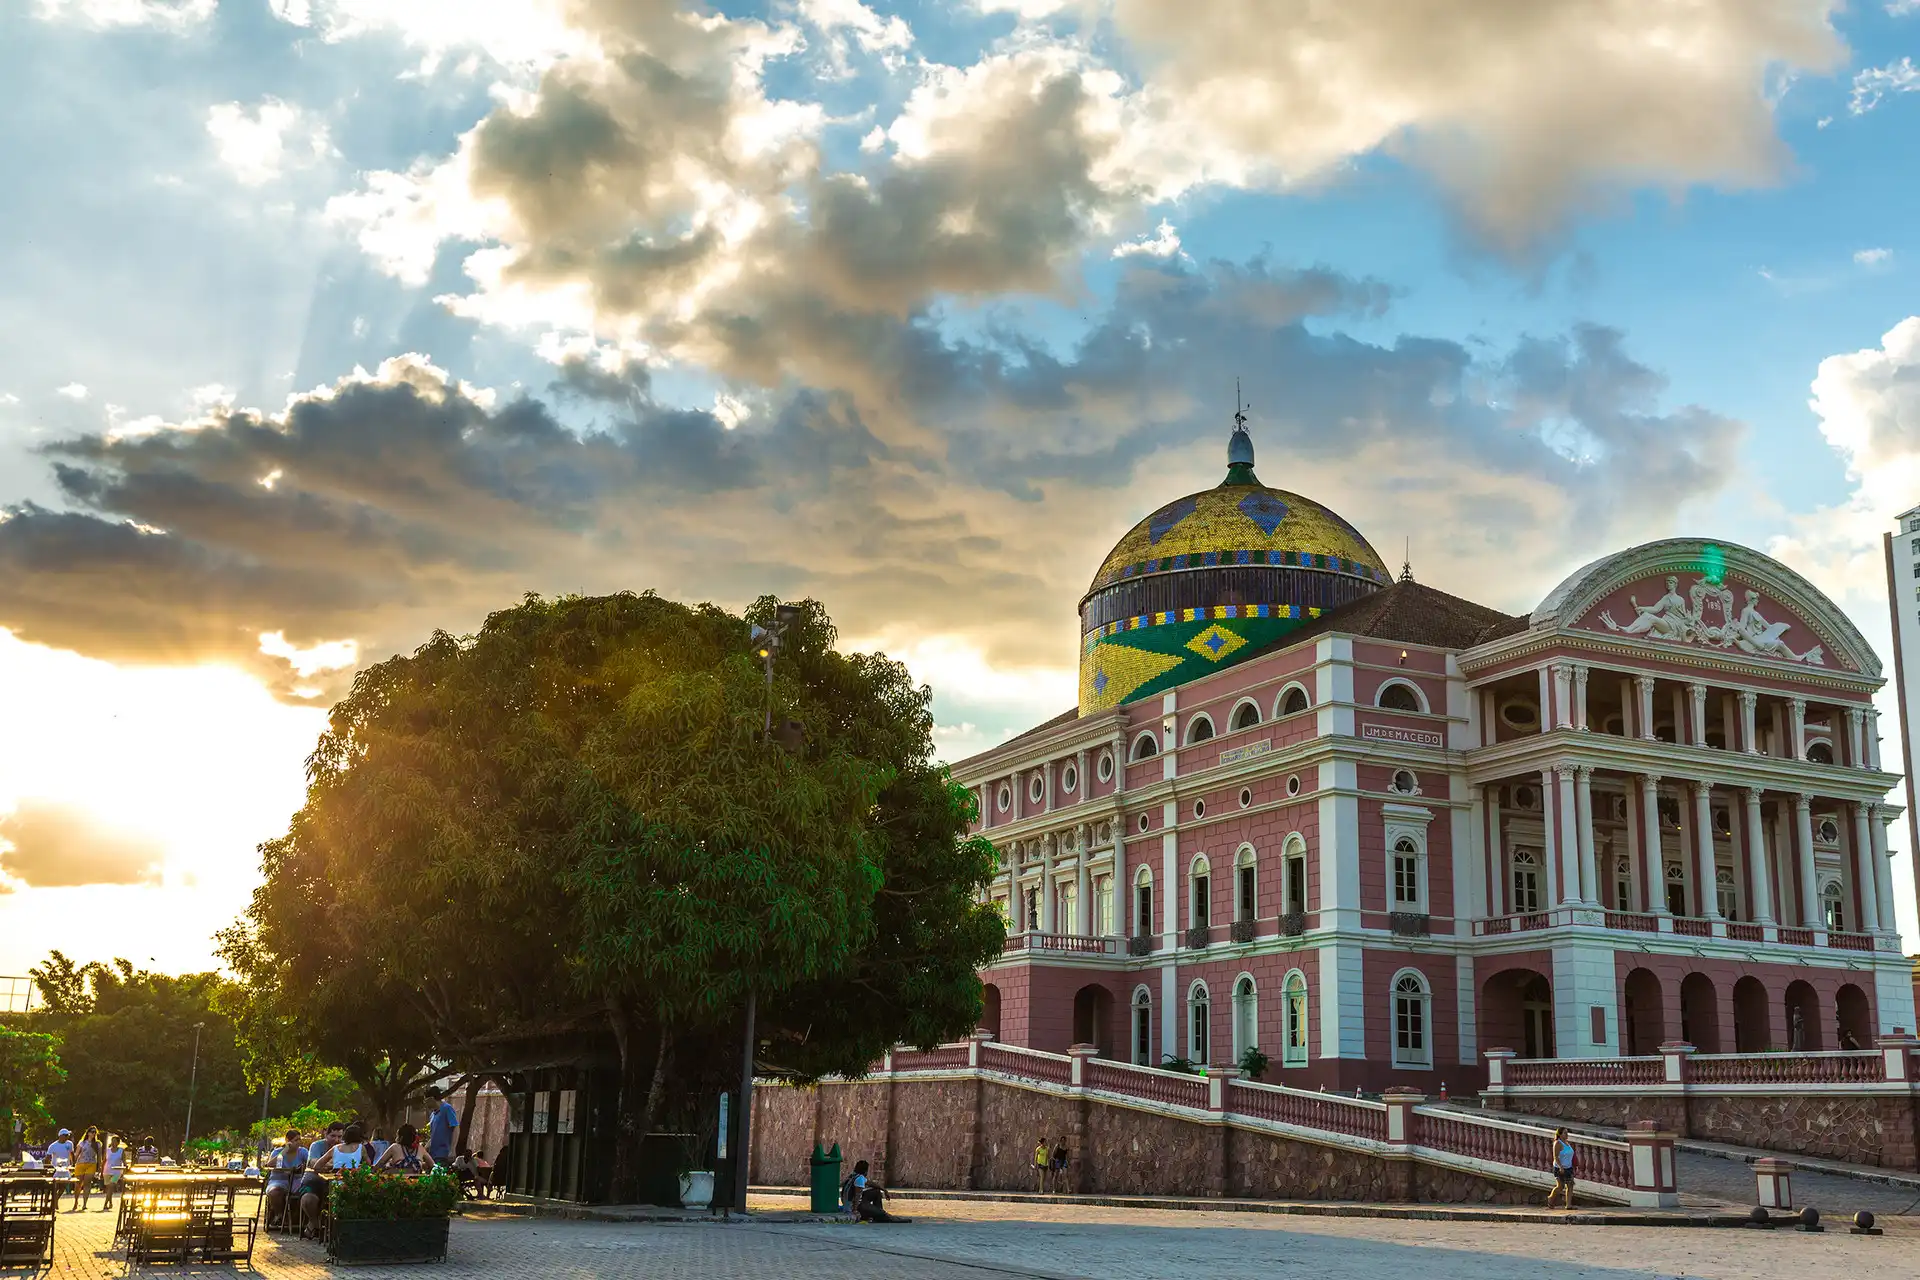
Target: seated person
(148, 1152)
(351, 1152)
(463, 1170)
(483, 1174)
(408, 1155)
(285, 1168)
(866, 1200)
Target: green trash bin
(826, 1179)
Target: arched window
(1526, 881)
(1293, 873)
(1294, 1052)
(1142, 1027)
(1199, 728)
(1143, 902)
(1246, 715)
(1820, 753)
(1407, 895)
(1623, 885)
(1293, 700)
(1199, 1024)
(1726, 894)
(1103, 906)
(1145, 747)
(1246, 1017)
(1412, 1045)
(1199, 892)
(1245, 904)
(1398, 695)
(1833, 907)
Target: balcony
(1293, 924)
(1572, 914)
(1241, 931)
(1409, 924)
(1198, 938)
(1067, 943)
(1140, 944)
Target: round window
(1105, 767)
(1520, 713)
(1246, 796)
(1005, 797)
(1199, 808)
(1036, 789)
(1069, 778)
(1829, 832)
(1293, 785)
(1526, 797)
(1404, 782)
(1143, 822)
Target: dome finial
(1406, 563)
(1239, 445)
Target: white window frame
(1245, 859)
(1103, 905)
(1726, 893)
(1246, 1016)
(1407, 822)
(1280, 699)
(1623, 879)
(1419, 1058)
(1529, 861)
(1198, 870)
(1142, 879)
(1147, 739)
(1833, 897)
(1199, 1010)
(1295, 1017)
(1141, 1027)
(1036, 788)
(1294, 846)
(1233, 718)
(1069, 778)
(1419, 698)
(1194, 721)
(1103, 767)
(1004, 796)
(1406, 850)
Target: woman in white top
(114, 1170)
(351, 1152)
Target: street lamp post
(193, 1080)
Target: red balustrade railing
(1326, 1112)
(1080, 944)
(944, 1057)
(1526, 1146)
(1865, 1066)
(1171, 1087)
(1633, 921)
(1693, 928)
(1013, 1060)
(1579, 1072)
(1746, 932)
(1797, 937)
(1851, 941)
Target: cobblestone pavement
(1707, 1178)
(979, 1240)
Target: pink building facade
(1411, 829)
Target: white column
(1562, 696)
(1496, 856)
(1082, 880)
(1749, 700)
(1869, 891)
(1566, 817)
(1883, 870)
(1709, 894)
(1629, 712)
(1803, 831)
(1046, 771)
(1550, 835)
(1856, 754)
(1873, 738)
(1656, 865)
(1047, 922)
(1643, 707)
(1583, 812)
(1797, 728)
(1580, 695)
(1759, 865)
(1119, 748)
(1697, 698)
(1477, 836)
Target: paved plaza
(978, 1240)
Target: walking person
(1562, 1169)
(112, 1170)
(1042, 1162)
(1057, 1166)
(86, 1166)
(442, 1120)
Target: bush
(1254, 1064)
(362, 1194)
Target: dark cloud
(55, 846)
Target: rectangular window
(1913, 524)
(1143, 909)
(1406, 880)
(1296, 883)
(1202, 893)
(1296, 1050)
(1142, 1035)
(1409, 1030)
(1916, 546)
(1246, 893)
(1103, 906)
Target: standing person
(1042, 1160)
(59, 1152)
(1058, 1166)
(442, 1120)
(86, 1166)
(113, 1170)
(1562, 1169)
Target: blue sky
(328, 322)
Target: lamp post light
(193, 1080)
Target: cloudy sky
(328, 322)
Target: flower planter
(696, 1190)
(387, 1240)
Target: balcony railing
(1073, 943)
(1409, 924)
(1242, 930)
(1140, 944)
(1198, 938)
(1293, 924)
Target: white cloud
(261, 142)
(1872, 257)
(1902, 8)
(523, 35)
(1164, 243)
(73, 391)
(171, 15)
(871, 31)
(328, 655)
(1875, 83)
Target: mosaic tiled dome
(1211, 575)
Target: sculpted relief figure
(1753, 634)
(1667, 618)
(1673, 620)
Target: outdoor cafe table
(177, 1191)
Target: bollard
(1776, 1183)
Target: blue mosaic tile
(1264, 510)
(1163, 520)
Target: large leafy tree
(29, 1070)
(577, 809)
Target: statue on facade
(1796, 1031)
(1752, 633)
(1667, 618)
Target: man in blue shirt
(441, 1122)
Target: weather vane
(1239, 409)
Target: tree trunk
(466, 1112)
(640, 1096)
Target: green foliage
(1253, 1063)
(29, 1070)
(363, 1193)
(1185, 1066)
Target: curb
(1335, 1209)
(570, 1211)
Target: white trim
(1193, 722)
(1280, 698)
(1401, 682)
(1425, 998)
(1197, 1051)
(1305, 992)
(1152, 742)
(1246, 857)
(1252, 1017)
(1139, 1009)
(1234, 715)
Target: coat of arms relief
(1705, 616)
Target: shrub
(1254, 1064)
(363, 1193)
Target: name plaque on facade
(1394, 733)
(1234, 755)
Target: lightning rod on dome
(1240, 444)
(1406, 562)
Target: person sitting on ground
(285, 1168)
(408, 1155)
(866, 1199)
(112, 1170)
(1562, 1169)
(1042, 1161)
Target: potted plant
(695, 1144)
(390, 1217)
